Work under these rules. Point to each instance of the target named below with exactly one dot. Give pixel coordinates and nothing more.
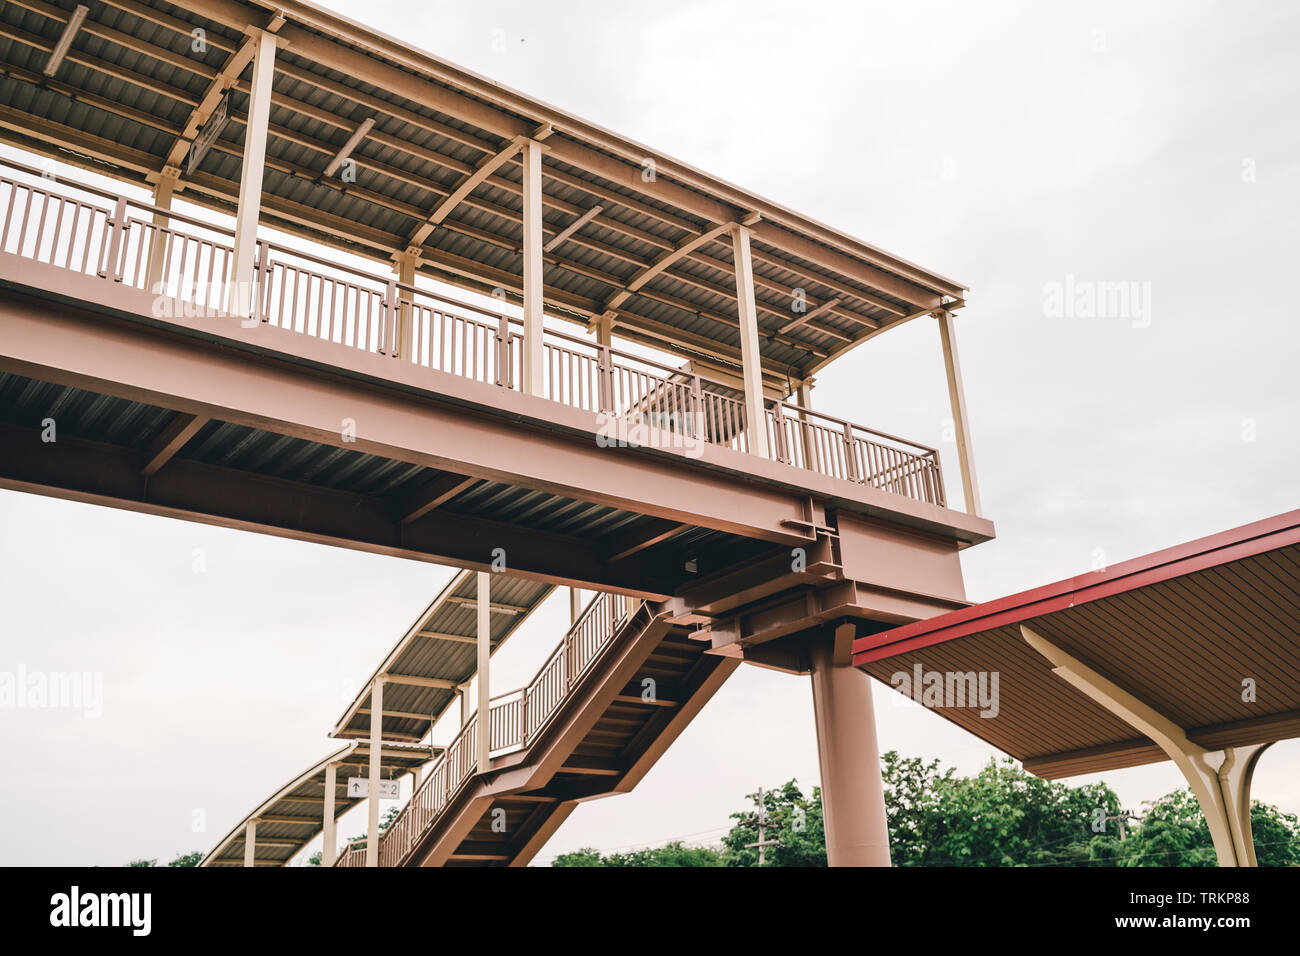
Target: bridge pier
(853, 794)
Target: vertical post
(806, 436)
(603, 326)
(484, 732)
(853, 793)
(116, 239)
(376, 752)
(463, 693)
(534, 354)
(330, 848)
(575, 605)
(158, 240)
(405, 269)
(961, 425)
(250, 843)
(239, 300)
(750, 357)
(503, 351)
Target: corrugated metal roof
(292, 816)
(441, 645)
(127, 89)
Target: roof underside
(294, 815)
(1180, 630)
(441, 646)
(128, 94)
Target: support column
(575, 605)
(462, 692)
(534, 358)
(239, 300)
(250, 843)
(376, 752)
(163, 192)
(803, 397)
(405, 269)
(960, 424)
(329, 832)
(484, 732)
(853, 792)
(750, 357)
(1220, 779)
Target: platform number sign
(359, 788)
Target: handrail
(312, 295)
(590, 634)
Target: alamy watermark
(1076, 298)
(942, 689)
(652, 430)
(66, 690)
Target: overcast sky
(1014, 147)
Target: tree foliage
(1001, 816)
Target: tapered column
(484, 733)
(240, 297)
(853, 793)
(960, 423)
(534, 354)
(376, 752)
(329, 832)
(750, 357)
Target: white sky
(1005, 145)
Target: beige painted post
(804, 398)
(239, 300)
(534, 354)
(750, 357)
(158, 242)
(405, 269)
(960, 423)
(329, 832)
(376, 752)
(575, 605)
(484, 732)
(250, 843)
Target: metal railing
(514, 719)
(186, 262)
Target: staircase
(610, 699)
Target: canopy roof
(438, 653)
(292, 816)
(1180, 630)
(630, 232)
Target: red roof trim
(1216, 549)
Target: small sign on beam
(359, 788)
(208, 134)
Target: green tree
(793, 820)
(672, 854)
(1173, 832)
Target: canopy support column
(804, 398)
(1220, 779)
(575, 605)
(376, 752)
(239, 300)
(329, 832)
(484, 730)
(163, 192)
(853, 792)
(405, 269)
(534, 355)
(960, 423)
(250, 843)
(750, 357)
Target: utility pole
(761, 822)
